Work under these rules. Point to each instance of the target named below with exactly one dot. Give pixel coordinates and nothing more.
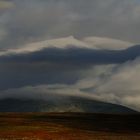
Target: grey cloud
(120, 87)
(38, 19)
(117, 83)
(74, 55)
(55, 65)
(71, 70)
(14, 75)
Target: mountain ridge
(71, 104)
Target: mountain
(69, 104)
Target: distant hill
(69, 104)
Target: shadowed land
(69, 126)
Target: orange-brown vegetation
(68, 126)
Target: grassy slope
(69, 126)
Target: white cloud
(121, 86)
(63, 43)
(117, 84)
(107, 43)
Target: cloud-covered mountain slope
(68, 104)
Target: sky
(82, 48)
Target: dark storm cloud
(74, 55)
(15, 75)
(54, 65)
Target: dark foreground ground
(68, 126)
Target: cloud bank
(71, 70)
(98, 60)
